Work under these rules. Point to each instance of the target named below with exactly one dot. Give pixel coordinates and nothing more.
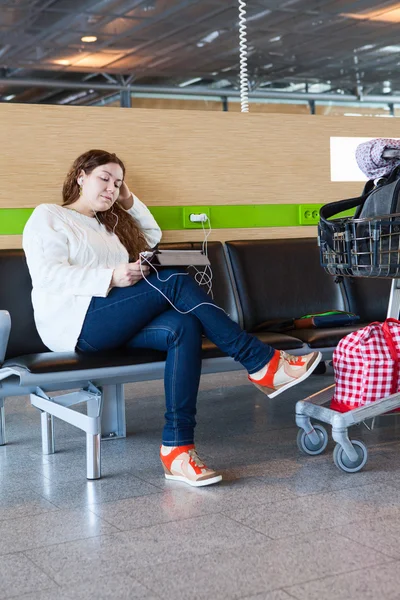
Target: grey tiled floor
(280, 525)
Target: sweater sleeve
(46, 246)
(147, 222)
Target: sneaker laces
(194, 457)
(292, 360)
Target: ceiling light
(208, 38)
(88, 39)
(4, 49)
(391, 15)
(148, 6)
(222, 83)
(8, 98)
(277, 38)
(390, 49)
(190, 81)
(387, 87)
(64, 63)
(259, 15)
(318, 88)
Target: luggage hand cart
(352, 247)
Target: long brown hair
(127, 228)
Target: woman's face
(100, 188)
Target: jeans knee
(187, 327)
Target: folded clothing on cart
(372, 157)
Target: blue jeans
(140, 317)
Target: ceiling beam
(59, 84)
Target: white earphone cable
(201, 277)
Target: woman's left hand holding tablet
(128, 274)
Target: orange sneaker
(285, 370)
(182, 463)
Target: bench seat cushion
(52, 362)
(327, 337)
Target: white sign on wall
(344, 166)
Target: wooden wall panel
(181, 157)
(10, 241)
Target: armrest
(5, 328)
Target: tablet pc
(177, 258)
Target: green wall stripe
(12, 220)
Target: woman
(88, 296)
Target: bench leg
(93, 456)
(113, 424)
(47, 424)
(2, 423)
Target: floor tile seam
(108, 522)
(116, 571)
(251, 595)
(273, 503)
(362, 544)
(143, 527)
(326, 493)
(136, 580)
(71, 541)
(336, 574)
(158, 487)
(341, 489)
(224, 552)
(39, 568)
(310, 529)
(122, 499)
(87, 506)
(47, 500)
(290, 594)
(51, 512)
(23, 490)
(383, 552)
(267, 537)
(161, 523)
(45, 512)
(22, 596)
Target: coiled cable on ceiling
(244, 78)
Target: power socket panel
(194, 210)
(309, 214)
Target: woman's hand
(125, 197)
(128, 274)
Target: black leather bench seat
(280, 341)
(52, 362)
(327, 337)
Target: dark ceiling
(294, 45)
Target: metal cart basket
(353, 248)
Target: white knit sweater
(71, 258)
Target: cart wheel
(342, 461)
(307, 447)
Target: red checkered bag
(366, 364)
